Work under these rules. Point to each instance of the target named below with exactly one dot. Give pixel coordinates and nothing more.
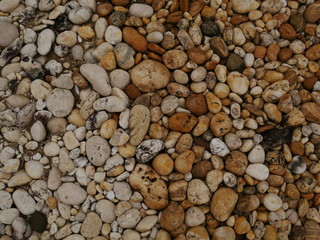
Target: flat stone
(91, 226)
(72, 194)
(60, 102)
(223, 202)
(139, 122)
(98, 150)
(8, 32)
(24, 202)
(258, 171)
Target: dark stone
(297, 21)
(62, 23)
(38, 222)
(210, 28)
(235, 63)
(276, 137)
(201, 169)
(117, 18)
(297, 233)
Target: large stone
(150, 185)
(8, 33)
(72, 194)
(223, 202)
(98, 150)
(150, 75)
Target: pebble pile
(159, 119)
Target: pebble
(60, 102)
(218, 147)
(45, 40)
(198, 192)
(91, 226)
(257, 155)
(79, 15)
(139, 122)
(223, 202)
(105, 209)
(238, 83)
(150, 185)
(24, 202)
(98, 150)
(34, 169)
(258, 171)
(137, 41)
(272, 202)
(298, 165)
(98, 78)
(172, 217)
(9, 33)
(141, 10)
(174, 59)
(146, 223)
(148, 149)
(129, 219)
(71, 194)
(149, 76)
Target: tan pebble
(273, 51)
(172, 217)
(51, 202)
(273, 76)
(313, 53)
(76, 119)
(223, 233)
(223, 203)
(184, 143)
(163, 164)
(202, 126)
(174, 59)
(127, 150)
(108, 61)
(86, 32)
(271, 233)
(213, 102)
(221, 90)
(178, 190)
(311, 111)
(241, 225)
(108, 128)
(183, 163)
(220, 124)
(272, 112)
(198, 232)
(237, 163)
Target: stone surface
(148, 149)
(9, 33)
(223, 202)
(24, 202)
(72, 194)
(98, 150)
(149, 76)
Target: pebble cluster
(159, 119)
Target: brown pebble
(287, 32)
(182, 122)
(104, 9)
(137, 41)
(174, 17)
(132, 91)
(196, 104)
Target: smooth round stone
(6, 200)
(148, 149)
(8, 6)
(34, 169)
(147, 223)
(119, 78)
(272, 202)
(238, 83)
(198, 192)
(129, 219)
(8, 33)
(105, 209)
(98, 150)
(60, 102)
(141, 10)
(155, 37)
(45, 40)
(91, 225)
(24, 202)
(298, 165)
(258, 171)
(194, 217)
(124, 55)
(150, 75)
(98, 78)
(72, 194)
(113, 35)
(38, 131)
(223, 233)
(79, 15)
(257, 155)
